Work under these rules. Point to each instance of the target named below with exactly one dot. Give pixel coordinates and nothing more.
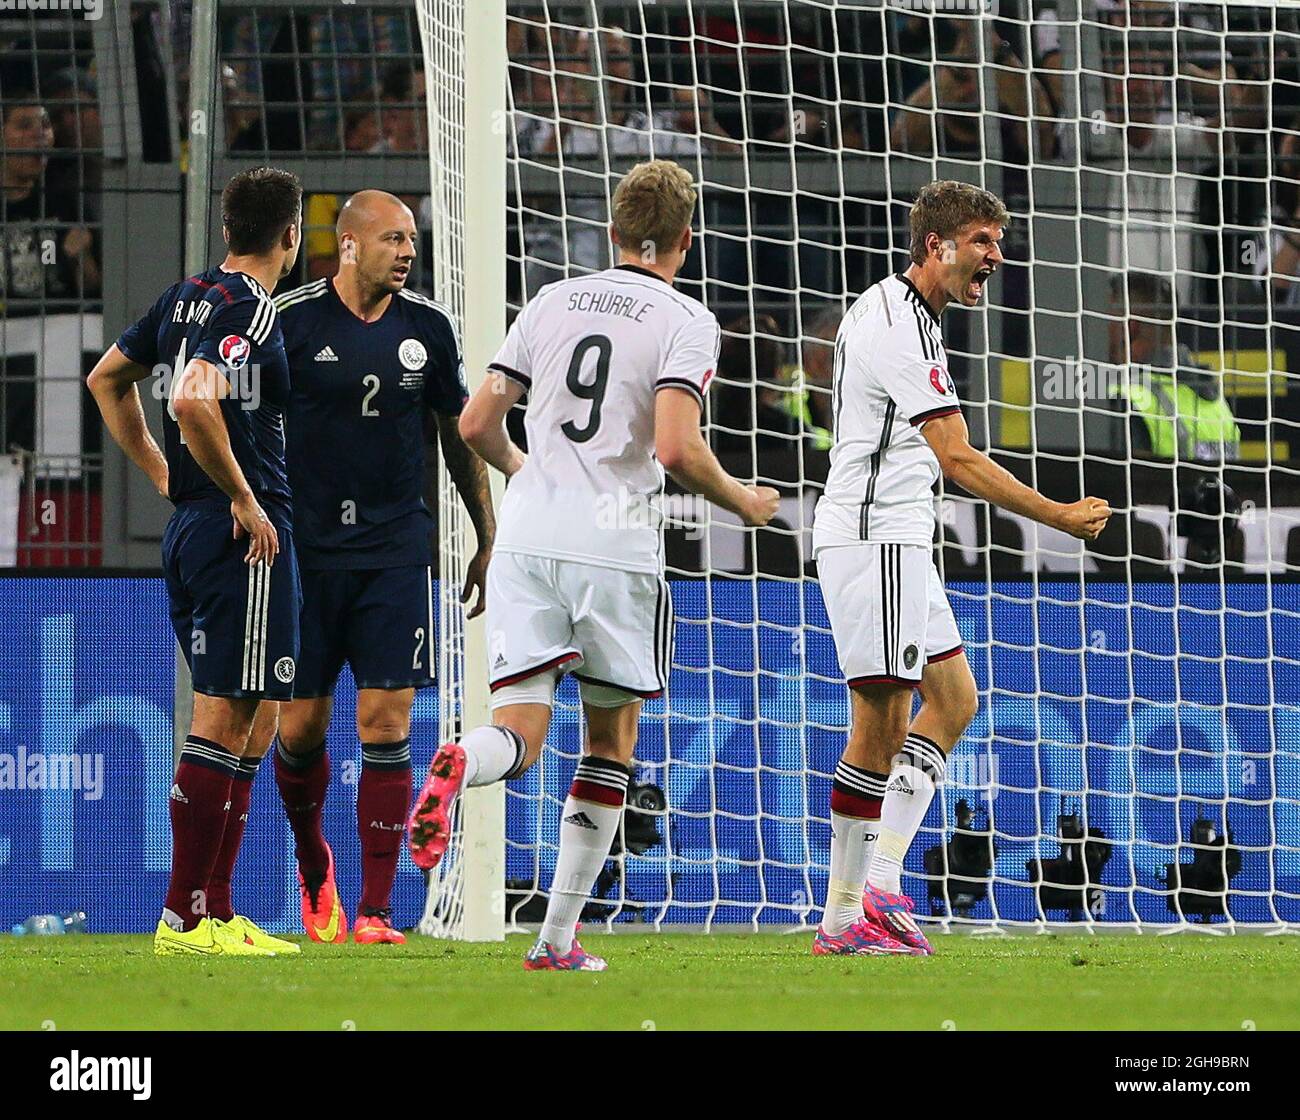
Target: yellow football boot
(253, 934)
(168, 942)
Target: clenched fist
(761, 507)
(1085, 518)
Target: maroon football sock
(383, 801)
(198, 806)
(220, 904)
(303, 780)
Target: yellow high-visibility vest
(1181, 423)
(795, 403)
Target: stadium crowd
(1191, 114)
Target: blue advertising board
(1140, 707)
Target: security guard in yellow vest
(808, 400)
(1176, 406)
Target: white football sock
(492, 753)
(855, 823)
(588, 825)
(912, 782)
(852, 840)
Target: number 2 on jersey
(371, 382)
(595, 391)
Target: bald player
(369, 362)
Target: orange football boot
(375, 929)
(322, 913)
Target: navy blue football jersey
(228, 319)
(356, 423)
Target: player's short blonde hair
(946, 208)
(653, 205)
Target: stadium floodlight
(1139, 678)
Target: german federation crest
(412, 354)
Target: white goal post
(1136, 760)
(465, 83)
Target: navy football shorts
(378, 620)
(237, 624)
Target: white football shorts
(611, 629)
(888, 610)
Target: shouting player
(615, 365)
(369, 362)
(215, 340)
(897, 425)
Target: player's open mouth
(976, 286)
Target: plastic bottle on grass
(49, 924)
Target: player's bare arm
(973, 470)
(113, 385)
(483, 423)
(197, 405)
(469, 473)
(680, 448)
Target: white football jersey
(592, 352)
(891, 376)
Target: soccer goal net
(1136, 757)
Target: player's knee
(301, 736)
(262, 731)
(227, 721)
(965, 706)
(383, 726)
(881, 717)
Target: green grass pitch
(663, 982)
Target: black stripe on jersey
(837, 386)
(921, 417)
(513, 374)
(886, 427)
(929, 349)
(680, 383)
(913, 290)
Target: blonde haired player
(615, 365)
(897, 424)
